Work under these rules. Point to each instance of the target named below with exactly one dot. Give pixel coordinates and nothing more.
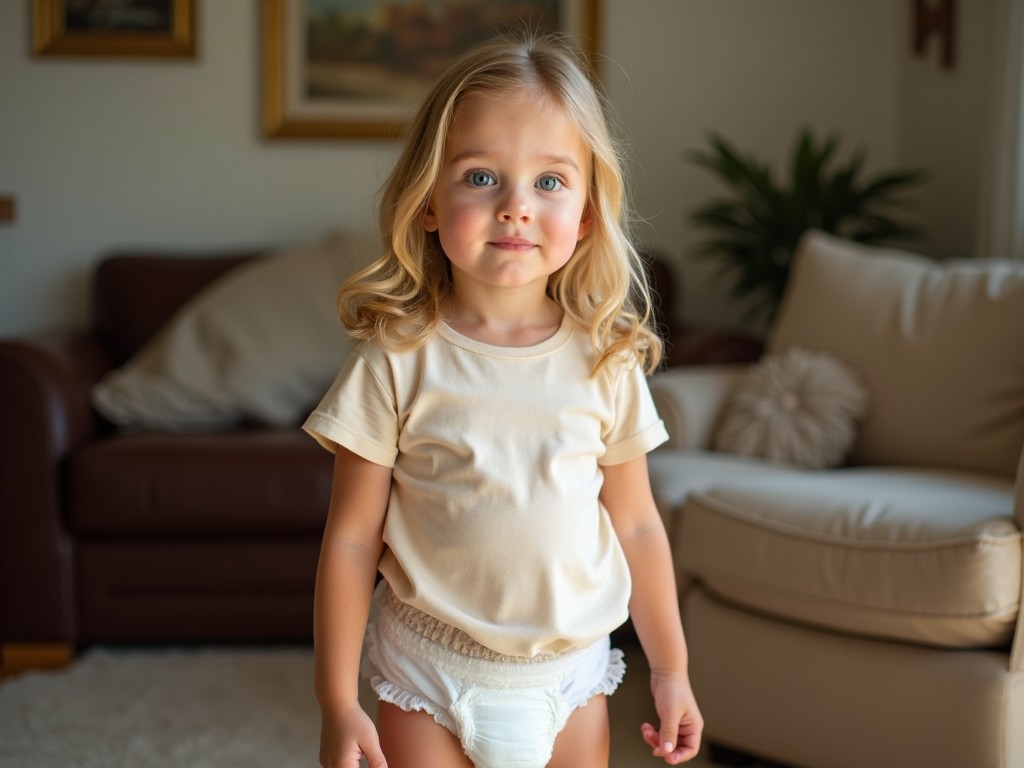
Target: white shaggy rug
(206, 708)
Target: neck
(507, 318)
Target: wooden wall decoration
(935, 17)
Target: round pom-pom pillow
(797, 407)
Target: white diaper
(506, 712)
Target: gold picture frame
(123, 29)
(316, 87)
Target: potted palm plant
(754, 231)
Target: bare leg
(409, 739)
(584, 740)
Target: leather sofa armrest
(690, 398)
(45, 382)
(45, 412)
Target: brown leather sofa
(144, 537)
(110, 536)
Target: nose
(515, 207)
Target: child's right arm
(349, 556)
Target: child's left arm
(654, 608)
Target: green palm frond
(755, 230)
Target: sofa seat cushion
(676, 473)
(258, 482)
(926, 556)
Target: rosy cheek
(568, 229)
(460, 220)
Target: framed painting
(359, 68)
(158, 28)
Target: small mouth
(512, 243)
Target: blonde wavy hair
(399, 298)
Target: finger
(653, 739)
(374, 756)
(669, 734)
(687, 749)
(680, 756)
(650, 735)
(373, 760)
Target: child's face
(510, 202)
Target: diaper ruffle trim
(410, 702)
(615, 673)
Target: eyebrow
(474, 154)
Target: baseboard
(19, 657)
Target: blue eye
(480, 178)
(549, 183)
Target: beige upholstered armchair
(866, 612)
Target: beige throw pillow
(261, 344)
(797, 407)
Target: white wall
(102, 155)
(756, 72)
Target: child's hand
(678, 738)
(347, 736)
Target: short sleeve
(637, 428)
(358, 413)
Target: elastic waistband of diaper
(449, 637)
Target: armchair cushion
(261, 344)
(927, 556)
(939, 347)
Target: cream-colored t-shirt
(494, 525)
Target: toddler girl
(490, 433)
